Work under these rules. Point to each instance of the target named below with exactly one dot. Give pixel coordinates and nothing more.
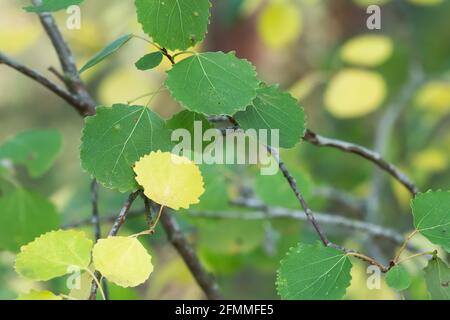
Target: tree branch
(176, 237)
(71, 99)
(370, 155)
(67, 61)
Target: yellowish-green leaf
(39, 295)
(367, 50)
(434, 96)
(431, 160)
(122, 260)
(169, 180)
(280, 24)
(354, 93)
(54, 254)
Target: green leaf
(273, 109)
(122, 260)
(186, 120)
(213, 83)
(431, 213)
(174, 24)
(107, 51)
(24, 216)
(54, 254)
(437, 277)
(398, 278)
(313, 272)
(149, 61)
(39, 295)
(37, 150)
(115, 138)
(52, 5)
(274, 191)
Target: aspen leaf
(37, 150)
(24, 216)
(367, 50)
(115, 138)
(213, 83)
(174, 24)
(431, 211)
(437, 276)
(169, 180)
(313, 272)
(39, 295)
(398, 278)
(280, 24)
(122, 260)
(354, 93)
(273, 109)
(54, 254)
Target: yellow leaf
(306, 85)
(431, 160)
(124, 85)
(354, 93)
(402, 195)
(280, 24)
(122, 260)
(434, 95)
(169, 180)
(367, 50)
(39, 295)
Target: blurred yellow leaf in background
(367, 50)
(169, 180)
(431, 160)
(435, 96)
(305, 86)
(125, 84)
(354, 93)
(280, 24)
(17, 33)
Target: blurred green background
(386, 89)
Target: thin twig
(265, 212)
(205, 280)
(403, 246)
(97, 232)
(114, 230)
(123, 214)
(293, 184)
(370, 155)
(67, 61)
(71, 99)
(57, 74)
(261, 212)
(95, 215)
